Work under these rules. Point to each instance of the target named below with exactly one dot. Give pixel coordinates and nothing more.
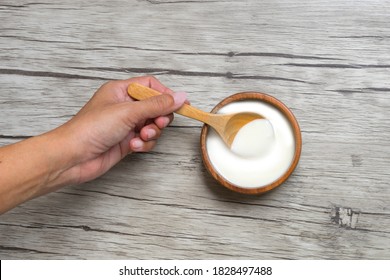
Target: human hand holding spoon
(226, 125)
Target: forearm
(31, 168)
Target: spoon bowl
(235, 123)
(226, 125)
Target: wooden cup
(262, 97)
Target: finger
(163, 121)
(148, 81)
(112, 92)
(124, 144)
(141, 124)
(153, 107)
(150, 132)
(157, 85)
(137, 145)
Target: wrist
(61, 156)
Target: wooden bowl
(294, 125)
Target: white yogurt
(248, 164)
(254, 139)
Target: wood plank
(327, 60)
(190, 212)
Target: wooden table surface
(328, 61)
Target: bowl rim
(244, 96)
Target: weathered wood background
(329, 61)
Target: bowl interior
(256, 96)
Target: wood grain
(328, 61)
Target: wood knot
(356, 160)
(86, 228)
(344, 217)
(230, 54)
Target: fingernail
(151, 133)
(165, 121)
(180, 97)
(136, 144)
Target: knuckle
(109, 84)
(151, 78)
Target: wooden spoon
(226, 126)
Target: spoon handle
(140, 92)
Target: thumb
(156, 106)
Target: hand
(106, 129)
(112, 124)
